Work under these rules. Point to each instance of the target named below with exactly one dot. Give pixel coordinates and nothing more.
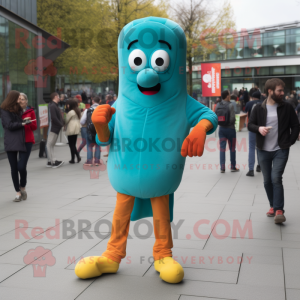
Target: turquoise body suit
(154, 113)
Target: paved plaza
(227, 246)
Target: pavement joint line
(237, 280)
(213, 186)
(13, 274)
(197, 296)
(86, 288)
(235, 185)
(283, 274)
(148, 269)
(213, 228)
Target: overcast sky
(257, 13)
(252, 14)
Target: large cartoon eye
(137, 60)
(160, 60)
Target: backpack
(91, 131)
(223, 113)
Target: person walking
(254, 99)
(83, 136)
(28, 114)
(15, 141)
(73, 128)
(84, 97)
(233, 102)
(226, 120)
(56, 125)
(109, 99)
(277, 128)
(86, 120)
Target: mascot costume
(148, 128)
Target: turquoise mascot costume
(149, 125)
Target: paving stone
(261, 275)
(6, 270)
(30, 294)
(292, 294)
(203, 195)
(203, 275)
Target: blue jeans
(272, 166)
(227, 134)
(83, 139)
(90, 145)
(251, 158)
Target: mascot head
(152, 61)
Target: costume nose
(147, 78)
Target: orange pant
(116, 247)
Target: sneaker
(71, 162)
(18, 199)
(279, 217)
(271, 213)
(97, 163)
(23, 195)
(49, 165)
(57, 164)
(235, 170)
(222, 171)
(250, 173)
(88, 163)
(258, 168)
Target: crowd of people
(69, 115)
(273, 128)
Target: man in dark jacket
(84, 97)
(276, 126)
(227, 133)
(255, 98)
(56, 124)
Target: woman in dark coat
(14, 141)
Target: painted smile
(150, 91)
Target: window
(293, 42)
(291, 70)
(277, 70)
(274, 43)
(264, 71)
(226, 73)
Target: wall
(26, 9)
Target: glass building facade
(250, 45)
(250, 58)
(27, 53)
(27, 9)
(13, 60)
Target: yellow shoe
(95, 266)
(170, 270)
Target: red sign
(211, 80)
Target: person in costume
(148, 129)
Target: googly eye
(160, 60)
(137, 60)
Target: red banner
(211, 80)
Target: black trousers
(19, 166)
(72, 139)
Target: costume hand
(263, 130)
(101, 117)
(102, 114)
(193, 145)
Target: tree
(92, 28)
(198, 17)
